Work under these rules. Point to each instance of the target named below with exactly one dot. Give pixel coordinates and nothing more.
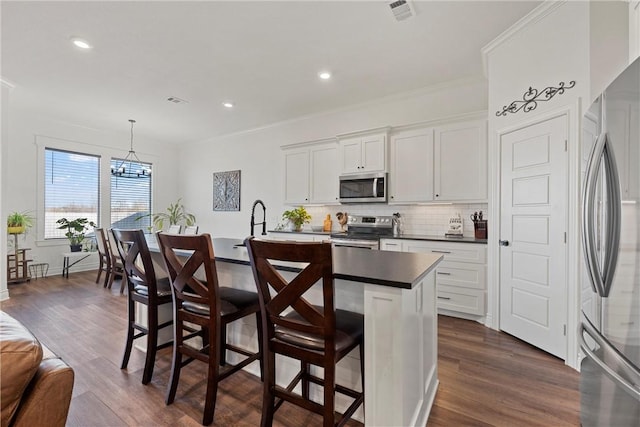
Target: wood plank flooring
(487, 378)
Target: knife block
(480, 228)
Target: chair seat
(164, 288)
(231, 301)
(349, 330)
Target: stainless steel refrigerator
(610, 328)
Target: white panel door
(533, 286)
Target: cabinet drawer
(466, 252)
(463, 300)
(461, 274)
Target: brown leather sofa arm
(48, 396)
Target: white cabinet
(297, 237)
(311, 174)
(461, 277)
(460, 162)
(363, 153)
(411, 166)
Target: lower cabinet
(297, 237)
(461, 277)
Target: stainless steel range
(364, 232)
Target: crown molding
(536, 15)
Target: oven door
(355, 243)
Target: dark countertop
(436, 238)
(394, 269)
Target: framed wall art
(226, 191)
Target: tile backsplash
(417, 219)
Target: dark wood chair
(315, 335)
(104, 256)
(117, 265)
(202, 302)
(144, 288)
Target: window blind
(130, 198)
(71, 189)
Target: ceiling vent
(177, 100)
(401, 9)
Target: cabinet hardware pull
(444, 273)
(441, 252)
(445, 298)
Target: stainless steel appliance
(364, 232)
(610, 329)
(363, 188)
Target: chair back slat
(101, 240)
(132, 247)
(184, 257)
(277, 295)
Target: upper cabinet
(364, 152)
(460, 162)
(411, 166)
(311, 173)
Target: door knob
(503, 242)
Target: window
(71, 190)
(130, 198)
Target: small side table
(76, 256)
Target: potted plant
(76, 231)
(19, 222)
(297, 217)
(176, 214)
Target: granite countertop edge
(436, 238)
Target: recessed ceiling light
(228, 104)
(324, 75)
(81, 43)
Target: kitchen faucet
(264, 217)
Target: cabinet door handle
(504, 243)
(444, 273)
(444, 298)
(441, 252)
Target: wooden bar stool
(144, 288)
(204, 303)
(316, 335)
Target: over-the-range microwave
(363, 188)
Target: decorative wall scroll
(226, 191)
(531, 98)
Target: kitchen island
(396, 293)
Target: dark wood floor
(487, 378)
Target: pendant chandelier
(131, 166)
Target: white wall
(4, 100)
(257, 154)
(22, 174)
(559, 41)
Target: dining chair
(190, 230)
(143, 288)
(201, 301)
(293, 327)
(117, 265)
(174, 229)
(104, 255)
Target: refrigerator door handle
(631, 386)
(589, 217)
(613, 206)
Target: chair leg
(110, 275)
(100, 269)
(304, 367)
(260, 344)
(223, 344)
(329, 395)
(130, 333)
(268, 399)
(177, 360)
(212, 376)
(152, 344)
(123, 283)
